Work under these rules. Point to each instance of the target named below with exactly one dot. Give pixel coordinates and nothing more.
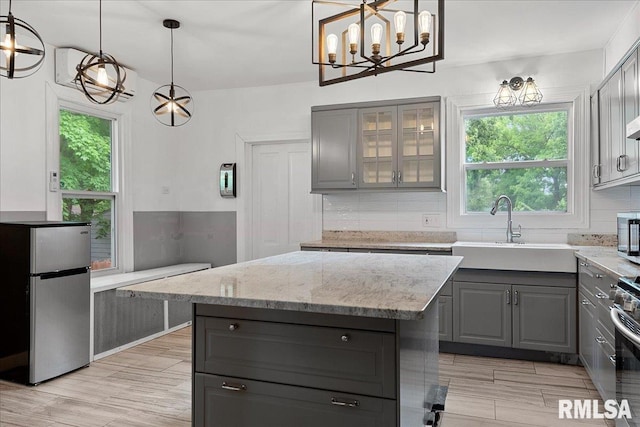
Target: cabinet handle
(612, 285)
(596, 171)
(353, 178)
(599, 276)
(585, 302)
(233, 387)
(600, 340)
(399, 177)
(612, 359)
(508, 293)
(345, 338)
(349, 403)
(624, 157)
(515, 297)
(618, 164)
(393, 177)
(602, 295)
(233, 326)
(584, 264)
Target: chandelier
(517, 91)
(169, 102)
(20, 60)
(359, 39)
(100, 76)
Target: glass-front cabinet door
(377, 149)
(418, 148)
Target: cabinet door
(544, 318)
(605, 365)
(418, 145)
(629, 80)
(234, 402)
(611, 138)
(333, 149)
(377, 148)
(595, 141)
(587, 331)
(445, 317)
(482, 313)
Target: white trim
(57, 97)
(578, 167)
(244, 146)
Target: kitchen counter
(309, 338)
(391, 246)
(607, 259)
(369, 285)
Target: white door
(284, 213)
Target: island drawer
(233, 402)
(341, 359)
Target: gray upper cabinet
(333, 149)
(616, 159)
(396, 144)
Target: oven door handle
(622, 328)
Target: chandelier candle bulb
(332, 47)
(354, 36)
(400, 20)
(376, 39)
(424, 21)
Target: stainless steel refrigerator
(44, 299)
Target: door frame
(244, 154)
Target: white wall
(626, 35)
(282, 112)
(23, 144)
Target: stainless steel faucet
(510, 233)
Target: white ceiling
(244, 43)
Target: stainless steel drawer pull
(585, 302)
(233, 387)
(612, 359)
(600, 340)
(233, 326)
(602, 295)
(508, 297)
(515, 297)
(345, 337)
(349, 403)
(583, 264)
(599, 276)
(353, 178)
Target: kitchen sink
(553, 257)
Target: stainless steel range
(625, 315)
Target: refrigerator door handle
(63, 273)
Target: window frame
(576, 101)
(120, 114)
(525, 164)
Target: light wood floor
(150, 385)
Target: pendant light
(169, 102)
(19, 60)
(100, 76)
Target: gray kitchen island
(313, 339)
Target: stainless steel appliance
(629, 236)
(625, 315)
(44, 299)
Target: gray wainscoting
(167, 238)
(7, 216)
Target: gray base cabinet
(257, 403)
(597, 341)
(524, 310)
(261, 367)
(445, 312)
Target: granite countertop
(607, 259)
(365, 244)
(356, 284)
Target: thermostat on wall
(228, 180)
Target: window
(87, 180)
(538, 156)
(523, 155)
